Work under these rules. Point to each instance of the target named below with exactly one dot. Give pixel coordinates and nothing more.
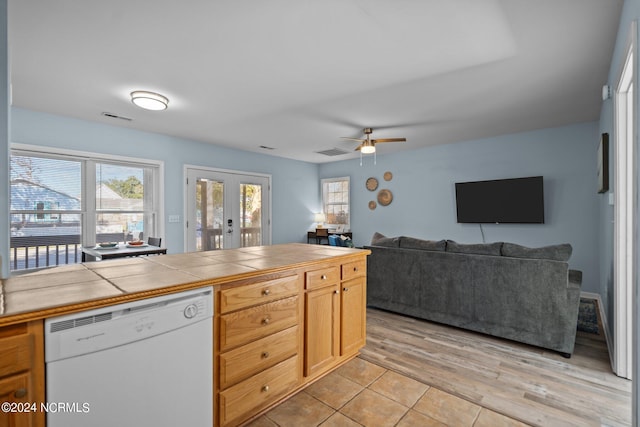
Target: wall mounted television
(510, 201)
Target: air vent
(115, 116)
(333, 152)
(74, 323)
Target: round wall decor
(372, 205)
(372, 184)
(385, 197)
(388, 176)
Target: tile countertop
(60, 290)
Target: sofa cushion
(427, 245)
(379, 239)
(474, 248)
(560, 252)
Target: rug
(588, 316)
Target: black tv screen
(515, 201)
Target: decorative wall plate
(388, 176)
(372, 184)
(372, 205)
(385, 197)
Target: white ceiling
(296, 75)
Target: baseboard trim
(605, 325)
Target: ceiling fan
(368, 145)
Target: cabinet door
(353, 316)
(15, 390)
(322, 329)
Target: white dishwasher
(146, 363)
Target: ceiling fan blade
(389, 140)
(358, 147)
(352, 139)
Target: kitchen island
(285, 315)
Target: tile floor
(361, 393)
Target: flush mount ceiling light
(149, 100)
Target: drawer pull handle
(323, 277)
(265, 354)
(20, 393)
(265, 388)
(345, 289)
(336, 291)
(266, 321)
(355, 268)
(266, 292)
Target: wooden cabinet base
(258, 391)
(22, 374)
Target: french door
(226, 209)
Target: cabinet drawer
(257, 293)
(242, 362)
(354, 269)
(252, 323)
(322, 277)
(15, 354)
(257, 392)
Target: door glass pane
(250, 215)
(120, 203)
(209, 214)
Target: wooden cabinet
(335, 315)
(22, 374)
(321, 329)
(353, 311)
(258, 347)
(278, 334)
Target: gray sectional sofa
(501, 289)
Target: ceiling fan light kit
(368, 145)
(149, 100)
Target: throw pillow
(427, 245)
(382, 240)
(474, 248)
(560, 252)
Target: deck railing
(249, 236)
(45, 251)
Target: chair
(322, 233)
(154, 241)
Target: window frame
(324, 181)
(154, 172)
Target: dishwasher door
(147, 363)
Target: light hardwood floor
(529, 384)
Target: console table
(312, 235)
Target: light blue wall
(295, 190)
(424, 195)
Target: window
(62, 201)
(335, 201)
(123, 203)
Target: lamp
(149, 100)
(319, 218)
